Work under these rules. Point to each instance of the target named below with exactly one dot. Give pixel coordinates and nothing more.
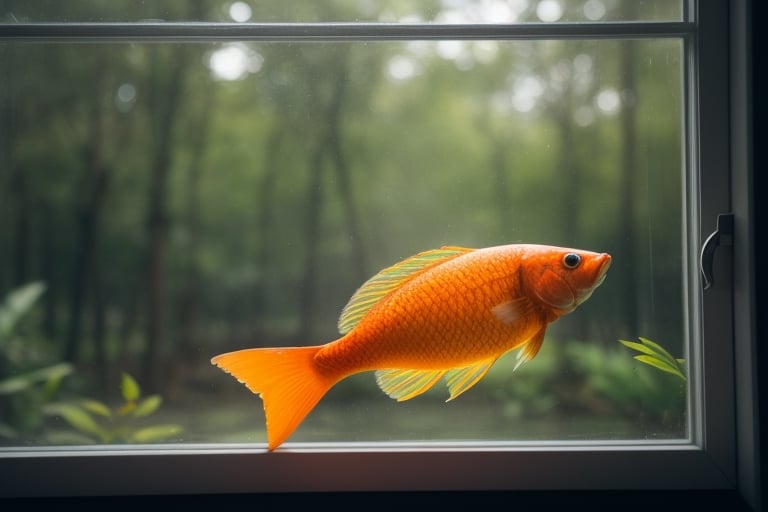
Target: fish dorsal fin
(390, 278)
(531, 347)
(461, 379)
(406, 384)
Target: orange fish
(449, 312)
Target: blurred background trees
(178, 200)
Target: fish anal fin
(390, 278)
(460, 380)
(531, 347)
(405, 384)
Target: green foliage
(29, 394)
(585, 379)
(615, 383)
(17, 304)
(50, 376)
(93, 420)
(657, 356)
(25, 384)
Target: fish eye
(571, 260)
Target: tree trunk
(498, 166)
(50, 274)
(99, 325)
(570, 174)
(190, 288)
(329, 144)
(165, 95)
(628, 254)
(311, 234)
(96, 182)
(342, 172)
(264, 222)
(21, 229)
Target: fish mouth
(600, 275)
(602, 270)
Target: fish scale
(448, 312)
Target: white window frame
(723, 450)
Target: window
(194, 179)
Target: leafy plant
(96, 421)
(28, 376)
(17, 304)
(657, 356)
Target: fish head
(563, 278)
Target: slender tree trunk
(95, 187)
(311, 235)
(166, 92)
(500, 182)
(628, 250)
(7, 132)
(190, 287)
(22, 221)
(329, 144)
(99, 325)
(571, 200)
(498, 165)
(342, 172)
(50, 275)
(264, 222)
(16, 203)
(570, 174)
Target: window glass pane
(438, 11)
(180, 201)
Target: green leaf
(77, 418)
(660, 351)
(657, 356)
(96, 407)
(147, 406)
(636, 346)
(23, 381)
(17, 303)
(661, 365)
(67, 437)
(155, 433)
(14, 385)
(130, 388)
(23, 298)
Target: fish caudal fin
(286, 380)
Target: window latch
(722, 236)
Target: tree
(166, 83)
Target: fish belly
(438, 338)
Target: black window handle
(722, 236)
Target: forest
(164, 202)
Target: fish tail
(285, 378)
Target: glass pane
(161, 204)
(437, 11)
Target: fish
(446, 313)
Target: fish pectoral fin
(531, 347)
(378, 286)
(512, 310)
(461, 379)
(405, 384)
